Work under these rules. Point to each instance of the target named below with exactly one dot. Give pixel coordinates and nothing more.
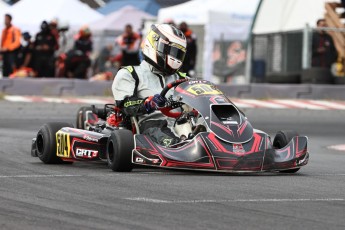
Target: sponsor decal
(129, 68)
(139, 160)
(238, 148)
(63, 146)
(229, 121)
(131, 103)
(89, 138)
(86, 153)
(196, 82)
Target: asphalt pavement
(90, 196)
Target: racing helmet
(164, 48)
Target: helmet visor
(172, 49)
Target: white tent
(118, 19)
(28, 14)
(288, 15)
(3, 10)
(3, 7)
(228, 19)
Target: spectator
(103, 57)
(77, 60)
(83, 40)
(10, 43)
(63, 27)
(44, 45)
(129, 43)
(53, 25)
(190, 58)
(324, 53)
(25, 55)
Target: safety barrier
(68, 87)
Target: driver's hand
(154, 102)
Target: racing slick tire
(119, 150)
(82, 116)
(46, 142)
(281, 139)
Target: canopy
(3, 6)
(287, 15)
(118, 19)
(196, 12)
(148, 6)
(226, 19)
(28, 14)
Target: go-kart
(217, 136)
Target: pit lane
(90, 196)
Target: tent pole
(248, 67)
(306, 47)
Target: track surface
(90, 196)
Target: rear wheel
(119, 150)
(281, 139)
(46, 142)
(85, 114)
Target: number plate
(63, 146)
(202, 89)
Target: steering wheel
(167, 110)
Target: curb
(242, 103)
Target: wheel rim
(40, 144)
(111, 152)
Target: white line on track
(157, 201)
(35, 176)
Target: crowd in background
(45, 54)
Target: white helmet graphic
(165, 47)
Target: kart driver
(136, 88)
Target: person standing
(25, 54)
(324, 53)
(190, 58)
(129, 43)
(10, 43)
(45, 44)
(78, 59)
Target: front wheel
(281, 139)
(119, 150)
(46, 142)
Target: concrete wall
(68, 87)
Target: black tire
(281, 139)
(119, 150)
(81, 116)
(46, 142)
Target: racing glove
(154, 102)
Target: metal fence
(276, 53)
(286, 57)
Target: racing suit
(130, 95)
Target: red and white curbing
(242, 103)
(337, 147)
